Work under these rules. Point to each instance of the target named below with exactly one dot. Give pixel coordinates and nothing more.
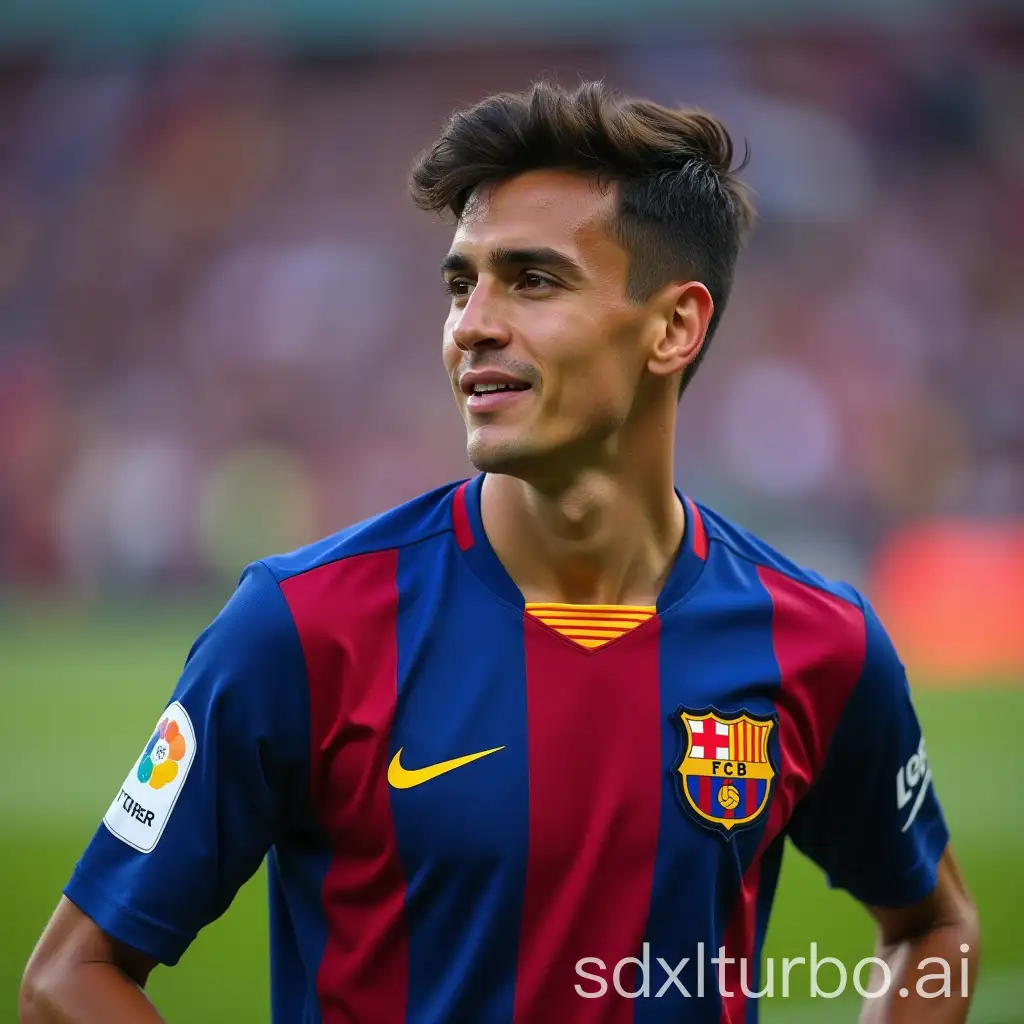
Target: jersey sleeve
(215, 784)
(872, 820)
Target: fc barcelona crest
(725, 774)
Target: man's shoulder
(777, 570)
(426, 516)
(817, 621)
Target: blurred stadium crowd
(220, 315)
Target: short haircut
(682, 212)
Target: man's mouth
(478, 384)
(488, 389)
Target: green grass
(80, 691)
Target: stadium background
(219, 337)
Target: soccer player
(501, 739)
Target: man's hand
(923, 946)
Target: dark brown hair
(682, 213)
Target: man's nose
(481, 322)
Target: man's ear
(687, 310)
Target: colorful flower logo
(159, 763)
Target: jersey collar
(476, 548)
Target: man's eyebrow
(504, 259)
(455, 262)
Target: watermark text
(814, 975)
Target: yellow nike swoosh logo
(403, 778)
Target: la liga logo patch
(141, 810)
(160, 759)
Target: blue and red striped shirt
(478, 810)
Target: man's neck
(596, 539)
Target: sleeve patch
(142, 808)
(912, 782)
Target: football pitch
(83, 688)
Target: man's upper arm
(214, 786)
(872, 820)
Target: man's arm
(222, 777)
(924, 948)
(872, 821)
(79, 975)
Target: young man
(503, 738)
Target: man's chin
(491, 459)
(507, 455)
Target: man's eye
(534, 280)
(457, 286)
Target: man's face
(539, 304)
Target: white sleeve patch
(141, 810)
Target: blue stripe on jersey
(287, 981)
(462, 837)
(298, 929)
(771, 863)
(482, 557)
(720, 634)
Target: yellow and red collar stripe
(590, 625)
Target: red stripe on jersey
(346, 614)
(460, 519)
(704, 793)
(595, 801)
(820, 644)
(700, 537)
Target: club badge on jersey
(725, 773)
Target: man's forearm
(932, 978)
(85, 993)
